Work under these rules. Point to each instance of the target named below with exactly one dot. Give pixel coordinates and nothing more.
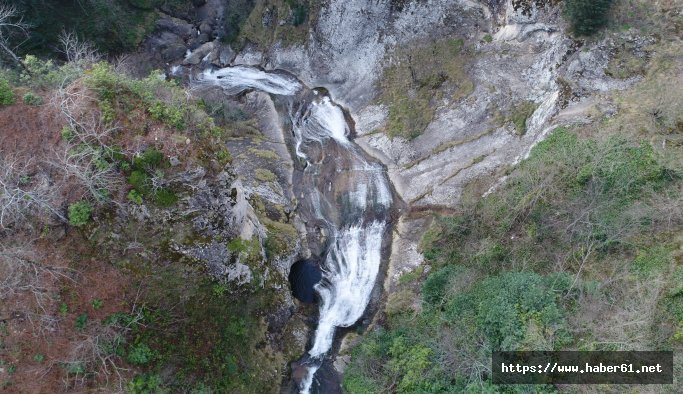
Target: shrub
(81, 321)
(79, 213)
(32, 99)
(282, 238)
(299, 11)
(45, 74)
(139, 354)
(409, 361)
(435, 286)
(140, 181)
(6, 93)
(223, 156)
(97, 303)
(151, 159)
(165, 198)
(520, 115)
(144, 384)
(135, 197)
(265, 175)
(503, 306)
(651, 260)
(587, 16)
(118, 93)
(68, 133)
(400, 302)
(411, 85)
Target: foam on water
(349, 275)
(240, 78)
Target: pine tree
(587, 16)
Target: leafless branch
(21, 194)
(11, 21)
(76, 50)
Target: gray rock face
(176, 26)
(169, 44)
(174, 37)
(220, 262)
(196, 56)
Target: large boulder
(196, 56)
(176, 26)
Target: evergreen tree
(587, 16)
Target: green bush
(520, 115)
(119, 94)
(140, 181)
(68, 133)
(409, 361)
(651, 260)
(145, 384)
(97, 303)
(165, 198)
(139, 354)
(503, 306)
(81, 321)
(45, 74)
(79, 213)
(135, 197)
(435, 286)
(300, 10)
(6, 93)
(149, 160)
(587, 16)
(32, 99)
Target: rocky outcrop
(189, 36)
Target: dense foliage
(587, 16)
(79, 213)
(112, 26)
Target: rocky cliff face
(519, 54)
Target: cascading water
(346, 196)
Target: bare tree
(77, 51)
(88, 155)
(20, 194)
(96, 354)
(23, 272)
(11, 22)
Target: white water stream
(353, 256)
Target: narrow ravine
(344, 196)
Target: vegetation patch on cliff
(270, 21)
(418, 77)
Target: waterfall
(345, 192)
